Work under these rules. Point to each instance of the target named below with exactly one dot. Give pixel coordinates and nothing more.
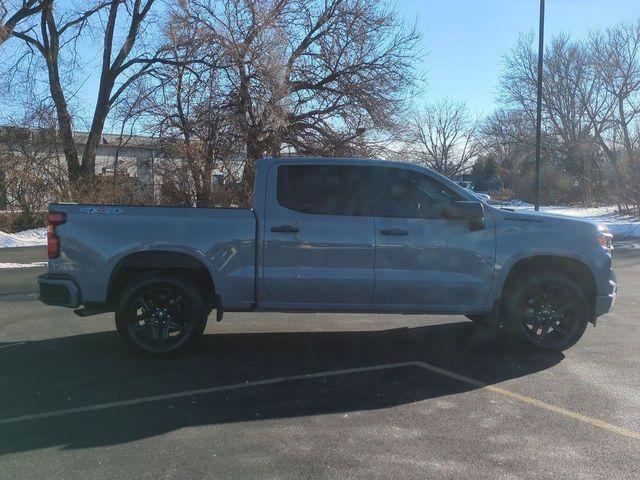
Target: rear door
(424, 261)
(319, 239)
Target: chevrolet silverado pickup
(330, 235)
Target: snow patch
(627, 245)
(27, 238)
(624, 230)
(516, 202)
(23, 265)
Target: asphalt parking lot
(316, 396)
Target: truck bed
(95, 239)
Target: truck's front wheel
(161, 314)
(547, 310)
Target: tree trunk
(248, 179)
(62, 109)
(3, 191)
(625, 130)
(88, 168)
(254, 152)
(207, 175)
(103, 105)
(613, 160)
(204, 196)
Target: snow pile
(628, 245)
(23, 265)
(27, 238)
(621, 226)
(514, 203)
(624, 230)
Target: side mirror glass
(468, 211)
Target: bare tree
(615, 61)
(569, 96)
(616, 52)
(29, 162)
(185, 103)
(12, 13)
(307, 76)
(443, 137)
(121, 64)
(508, 138)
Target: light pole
(539, 102)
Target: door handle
(394, 231)
(285, 229)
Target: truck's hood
(551, 219)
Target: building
(137, 157)
(131, 155)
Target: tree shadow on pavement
(49, 375)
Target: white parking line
(200, 391)
(594, 422)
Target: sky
(465, 40)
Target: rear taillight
(53, 242)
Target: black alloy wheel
(160, 314)
(549, 312)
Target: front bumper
(605, 302)
(59, 290)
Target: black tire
(161, 314)
(547, 310)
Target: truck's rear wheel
(547, 311)
(161, 314)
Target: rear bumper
(59, 290)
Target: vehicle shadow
(91, 369)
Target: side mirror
(470, 212)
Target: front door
(318, 236)
(424, 261)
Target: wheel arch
(137, 263)
(575, 269)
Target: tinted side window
(324, 190)
(404, 193)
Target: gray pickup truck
(330, 235)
